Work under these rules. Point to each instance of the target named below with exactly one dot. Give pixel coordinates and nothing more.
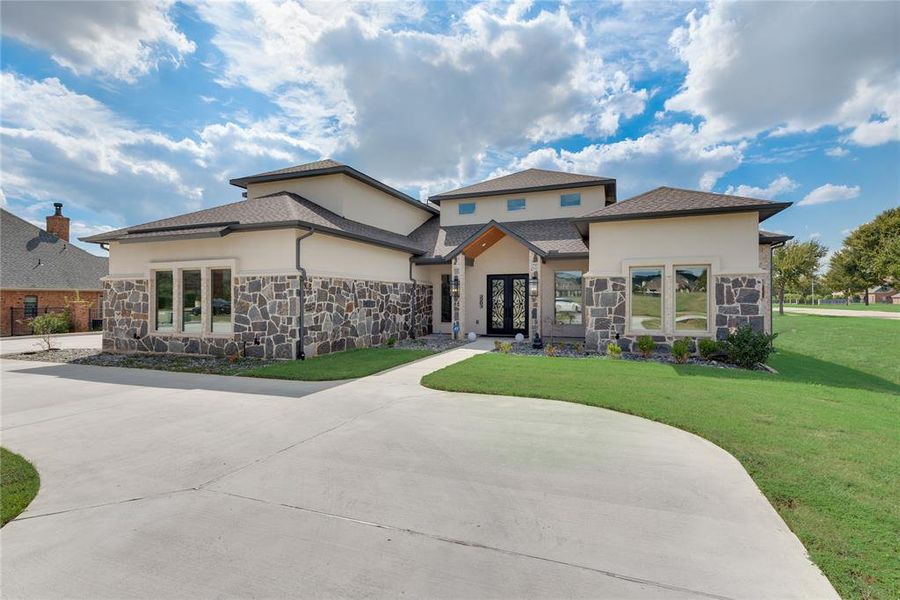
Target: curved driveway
(170, 485)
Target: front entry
(507, 306)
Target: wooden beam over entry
(483, 242)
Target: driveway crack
(480, 546)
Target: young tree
(871, 254)
(845, 273)
(792, 262)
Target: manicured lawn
(821, 439)
(19, 483)
(873, 306)
(340, 365)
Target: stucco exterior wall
(330, 256)
(538, 205)
(505, 257)
(730, 242)
(351, 199)
(270, 251)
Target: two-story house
(320, 258)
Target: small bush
(392, 341)
(506, 347)
(681, 350)
(747, 348)
(579, 348)
(646, 345)
(613, 350)
(497, 344)
(708, 348)
(48, 325)
(551, 350)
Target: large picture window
(446, 300)
(220, 300)
(164, 301)
(568, 296)
(646, 298)
(691, 298)
(191, 302)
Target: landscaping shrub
(747, 348)
(681, 349)
(579, 348)
(708, 348)
(48, 325)
(392, 341)
(506, 347)
(613, 350)
(646, 345)
(550, 350)
(497, 344)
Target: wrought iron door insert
(507, 307)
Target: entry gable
(486, 237)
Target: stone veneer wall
(738, 301)
(341, 314)
(265, 318)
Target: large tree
(870, 255)
(794, 261)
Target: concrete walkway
(376, 488)
(837, 312)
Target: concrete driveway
(10, 345)
(163, 485)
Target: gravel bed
(56, 355)
(571, 351)
(435, 343)
(161, 362)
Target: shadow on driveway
(175, 380)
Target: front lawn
(340, 365)
(19, 483)
(821, 439)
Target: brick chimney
(57, 224)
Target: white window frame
(571, 205)
(204, 266)
(459, 209)
(524, 205)
(662, 301)
(709, 302)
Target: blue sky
(129, 112)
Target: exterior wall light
(454, 287)
(533, 285)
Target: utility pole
(812, 280)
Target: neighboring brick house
(41, 271)
(320, 258)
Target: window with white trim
(220, 300)
(573, 199)
(165, 301)
(195, 301)
(691, 297)
(646, 298)
(191, 301)
(467, 208)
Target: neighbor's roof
(549, 238)
(31, 258)
(675, 202)
(275, 211)
(770, 237)
(530, 180)
(329, 167)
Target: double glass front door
(507, 306)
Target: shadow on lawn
(800, 368)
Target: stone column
(459, 301)
(534, 302)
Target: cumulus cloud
(118, 39)
(830, 193)
(778, 186)
(792, 66)
(413, 105)
(675, 156)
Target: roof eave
(487, 226)
(765, 211)
(539, 188)
(243, 182)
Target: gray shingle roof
(31, 258)
(675, 202)
(528, 180)
(281, 209)
(548, 236)
(329, 167)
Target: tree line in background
(869, 257)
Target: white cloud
(414, 106)
(118, 39)
(674, 156)
(792, 66)
(830, 193)
(837, 152)
(778, 186)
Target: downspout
(301, 354)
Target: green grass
(19, 483)
(340, 365)
(873, 306)
(821, 439)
